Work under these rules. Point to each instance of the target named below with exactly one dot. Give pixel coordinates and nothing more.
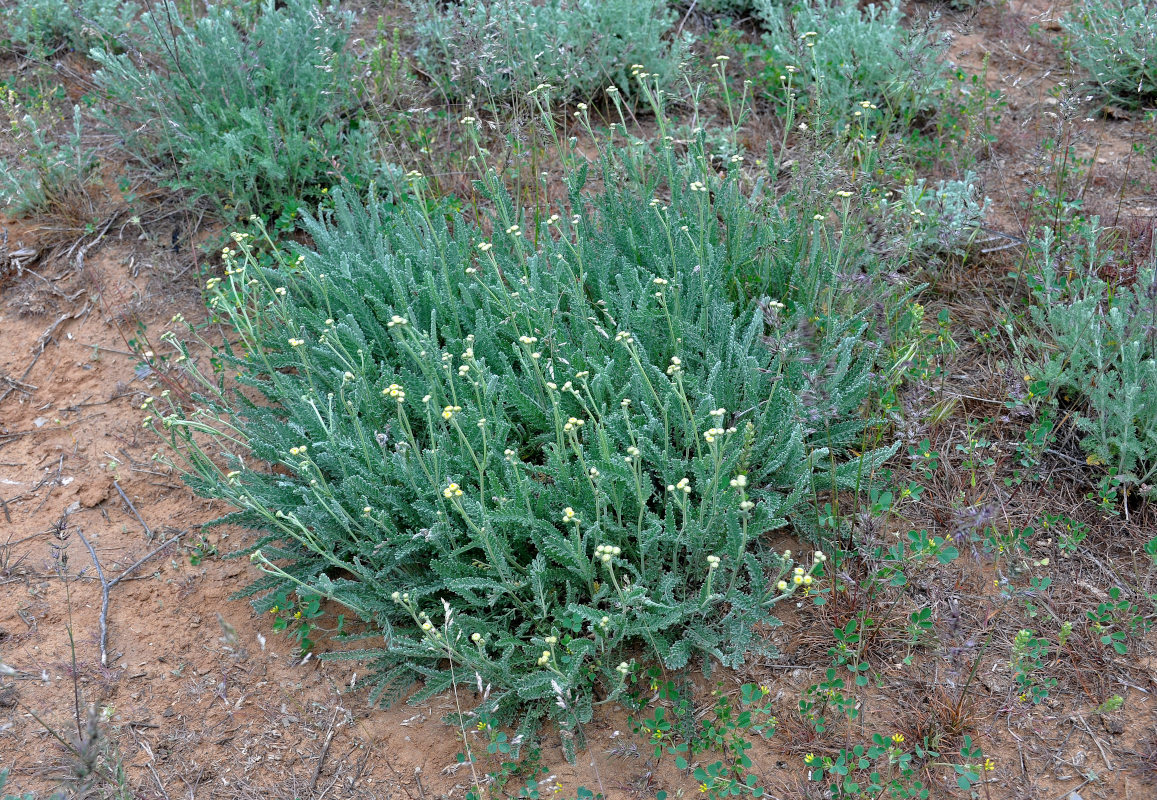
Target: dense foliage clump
(1115, 41)
(257, 113)
(1101, 350)
(853, 63)
(46, 25)
(495, 48)
(47, 171)
(531, 454)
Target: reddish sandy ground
(200, 698)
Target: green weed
(492, 50)
(258, 121)
(44, 26)
(1115, 41)
(1099, 344)
(854, 66)
(46, 175)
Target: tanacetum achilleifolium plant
(46, 25)
(495, 48)
(255, 115)
(1100, 342)
(531, 455)
(852, 62)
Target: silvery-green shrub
(495, 48)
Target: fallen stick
(321, 756)
(106, 587)
(148, 532)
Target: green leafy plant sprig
(1098, 340)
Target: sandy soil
(198, 697)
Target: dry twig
(107, 585)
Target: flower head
(605, 552)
